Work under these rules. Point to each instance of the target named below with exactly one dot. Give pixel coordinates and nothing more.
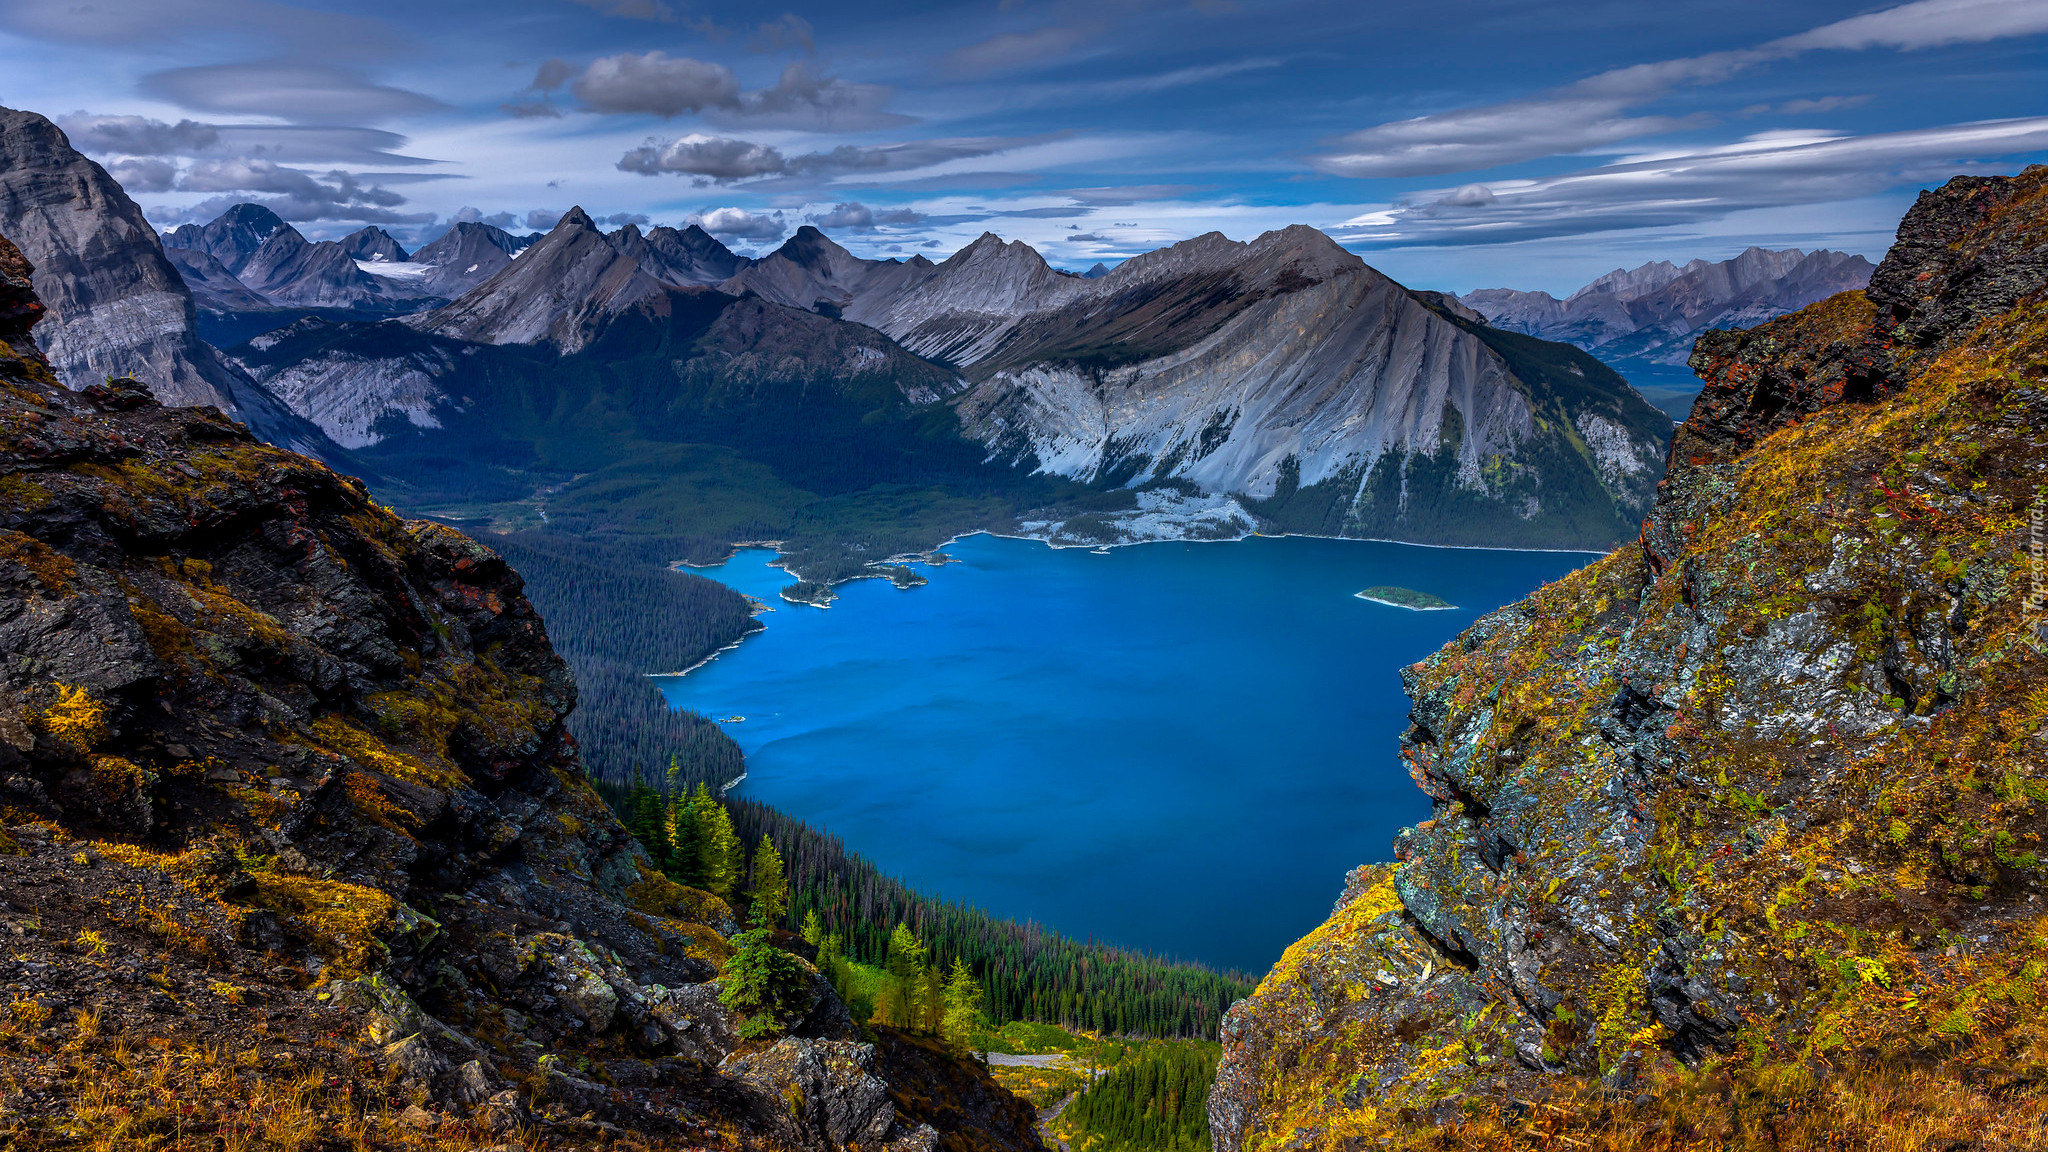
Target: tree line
(1026, 971)
(1156, 1102)
(584, 590)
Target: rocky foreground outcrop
(1738, 829)
(295, 851)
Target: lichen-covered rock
(1744, 819)
(823, 1089)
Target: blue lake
(1174, 747)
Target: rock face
(1743, 820)
(465, 256)
(271, 260)
(1653, 312)
(558, 290)
(1285, 370)
(326, 747)
(117, 306)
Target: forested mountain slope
(1738, 830)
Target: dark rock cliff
(295, 851)
(1737, 829)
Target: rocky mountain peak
(373, 243)
(556, 290)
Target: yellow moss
(700, 942)
(344, 921)
(334, 734)
(76, 720)
(52, 569)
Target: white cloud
(721, 160)
(656, 84)
(1592, 113)
(143, 174)
(739, 224)
(314, 93)
(1926, 24)
(1682, 186)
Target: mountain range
(1213, 387)
(1652, 312)
(1283, 373)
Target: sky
(1455, 145)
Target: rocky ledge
(1737, 830)
(295, 851)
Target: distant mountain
(1284, 373)
(1652, 312)
(1285, 370)
(117, 305)
(372, 244)
(1096, 273)
(270, 259)
(465, 256)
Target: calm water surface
(1176, 747)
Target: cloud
(739, 224)
(552, 74)
(721, 160)
(633, 9)
(137, 135)
(1593, 112)
(853, 215)
(1820, 104)
(530, 109)
(1129, 194)
(143, 174)
(1767, 170)
(1088, 238)
(295, 194)
(621, 219)
(101, 135)
(158, 24)
(1927, 24)
(655, 83)
(1013, 50)
(476, 216)
(803, 98)
(786, 31)
(718, 159)
(316, 93)
(542, 219)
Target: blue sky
(1457, 144)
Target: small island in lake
(1407, 598)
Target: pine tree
(814, 935)
(771, 890)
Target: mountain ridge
(1649, 312)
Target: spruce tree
(771, 890)
(814, 934)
